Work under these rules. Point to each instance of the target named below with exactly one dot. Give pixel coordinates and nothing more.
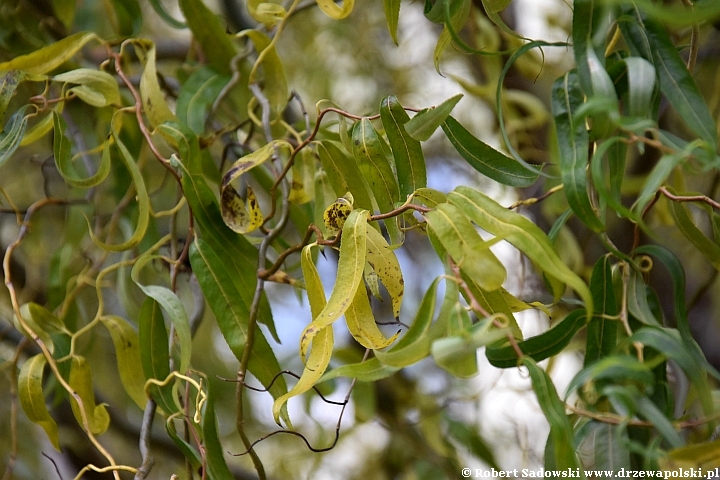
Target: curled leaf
(80, 380)
(335, 11)
(32, 399)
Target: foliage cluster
(166, 192)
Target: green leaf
(684, 221)
(539, 347)
(553, 408)
(463, 243)
(197, 96)
(274, 82)
(153, 100)
(637, 299)
(705, 456)
(651, 412)
(415, 344)
(572, 138)
(385, 264)
(522, 233)
(427, 121)
(142, 198)
(94, 87)
(367, 371)
(343, 173)
(641, 86)
(607, 443)
(229, 297)
(32, 399)
(651, 40)
(81, 382)
(659, 174)
(188, 450)
(485, 159)
(64, 161)
(589, 31)
(494, 6)
(42, 324)
(617, 368)
(602, 330)
(351, 264)
(12, 134)
(50, 57)
(408, 154)
(155, 355)
(376, 169)
(209, 32)
(127, 353)
(65, 11)
(392, 14)
(213, 448)
(128, 16)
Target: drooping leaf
(539, 347)
(704, 457)
(153, 100)
(32, 398)
(427, 121)
(522, 233)
(407, 152)
(274, 81)
(209, 32)
(351, 264)
(385, 264)
(572, 138)
(617, 368)
(659, 174)
(637, 301)
(214, 451)
(159, 8)
(561, 432)
(485, 159)
(392, 15)
(361, 321)
(142, 198)
(48, 58)
(127, 352)
(64, 160)
(463, 243)
(684, 221)
(590, 26)
(12, 134)
(367, 371)
(641, 86)
(80, 380)
(337, 213)
(343, 173)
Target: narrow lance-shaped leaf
(602, 328)
(684, 221)
(650, 39)
(343, 173)
(485, 159)
(463, 243)
(408, 154)
(561, 431)
(94, 87)
(351, 264)
(155, 355)
(142, 198)
(426, 122)
(386, 266)
(616, 368)
(274, 82)
(392, 14)
(322, 343)
(197, 96)
(641, 86)
(32, 399)
(8, 84)
(368, 371)
(64, 160)
(209, 32)
(12, 134)
(50, 57)
(573, 143)
(153, 100)
(375, 168)
(212, 447)
(81, 382)
(590, 25)
(522, 233)
(127, 352)
(157, 5)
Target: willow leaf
(32, 399)
(408, 154)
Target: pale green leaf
(50, 57)
(32, 399)
(335, 11)
(95, 87)
(81, 382)
(427, 121)
(127, 353)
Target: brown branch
(690, 198)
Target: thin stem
(145, 430)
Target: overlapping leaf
(48, 58)
(64, 159)
(32, 399)
(407, 152)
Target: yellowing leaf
(32, 399)
(50, 57)
(81, 382)
(361, 322)
(153, 100)
(351, 264)
(127, 352)
(386, 266)
(274, 81)
(266, 12)
(236, 215)
(94, 87)
(335, 11)
(336, 214)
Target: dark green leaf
(616, 368)
(408, 154)
(367, 371)
(210, 34)
(602, 328)
(12, 134)
(343, 174)
(485, 159)
(214, 450)
(475, 444)
(197, 97)
(427, 121)
(573, 144)
(157, 5)
(8, 85)
(392, 14)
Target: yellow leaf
(153, 100)
(361, 322)
(336, 214)
(386, 265)
(335, 11)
